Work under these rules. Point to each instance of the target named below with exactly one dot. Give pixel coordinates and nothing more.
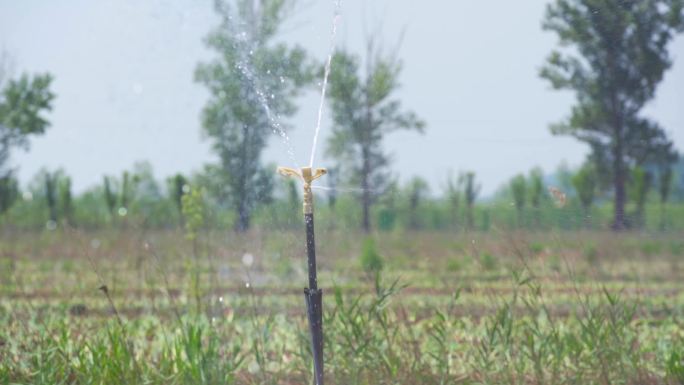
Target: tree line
(612, 55)
(567, 199)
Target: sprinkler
(312, 294)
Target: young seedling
(312, 294)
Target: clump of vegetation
(488, 261)
(456, 264)
(591, 254)
(675, 366)
(537, 247)
(370, 260)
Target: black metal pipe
(311, 250)
(314, 301)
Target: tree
(51, 195)
(66, 206)
(364, 111)
(519, 191)
(9, 191)
(22, 104)
(585, 183)
(470, 192)
(417, 189)
(178, 186)
(387, 215)
(109, 196)
(641, 182)
(454, 193)
(664, 188)
(536, 193)
(252, 83)
(617, 56)
(294, 203)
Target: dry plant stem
(105, 290)
(165, 277)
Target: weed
(371, 261)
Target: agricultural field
(121, 306)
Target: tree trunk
(586, 209)
(242, 223)
(619, 184)
(365, 197)
(242, 189)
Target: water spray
(312, 294)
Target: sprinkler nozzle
(306, 175)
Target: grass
(514, 308)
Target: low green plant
(591, 254)
(536, 247)
(675, 367)
(488, 261)
(370, 260)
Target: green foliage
(458, 264)
(607, 327)
(677, 248)
(454, 192)
(536, 247)
(536, 188)
(518, 187)
(639, 187)
(370, 259)
(488, 262)
(109, 196)
(51, 195)
(252, 83)
(22, 104)
(675, 366)
(585, 183)
(9, 191)
(471, 190)
(616, 55)
(591, 254)
(66, 206)
(536, 182)
(364, 111)
(193, 213)
(416, 191)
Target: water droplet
(122, 211)
(247, 284)
(221, 299)
(247, 259)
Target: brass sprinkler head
(306, 175)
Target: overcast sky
(125, 92)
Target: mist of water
(244, 68)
